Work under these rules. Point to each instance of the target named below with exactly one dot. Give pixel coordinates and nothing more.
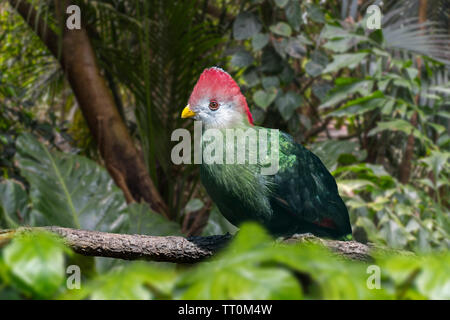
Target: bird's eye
(213, 105)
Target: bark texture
(174, 248)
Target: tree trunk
(405, 167)
(96, 102)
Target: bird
(301, 197)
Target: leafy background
(355, 97)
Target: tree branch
(172, 248)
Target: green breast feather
(300, 197)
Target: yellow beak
(187, 112)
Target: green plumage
(301, 197)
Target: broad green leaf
(194, 205)
(217, 224)
(259, 41)
(281, 3)
(137, 281)
(348, 186)
(245, 26)
(295, 48)
(303, 40)
(395, 234)
(294, 14)
(264, 98)
(400, 125)
(434, 280)
(36, 263)
(345, 60)
(244, 283)
(344, 44)
(13, 204)
(333, 32)
(251, 77)
(329, 151)
(287, 75)
(361, 105)
(436, 161)
(280, 46)
(282, 29)
(321, 89)
(315, 13)
(70, 190)
(142, 220)
(370, 228)
(269, 82)
(313, 69)
(287, 104)
(342, 92)
(241, 59)
(239, 273)
(319, 56)
(271, 61)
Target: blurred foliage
(310, 68)
(252, 267)
(71, 191)
(306, 69)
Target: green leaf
(281, 3)
(350, 60)
(244, 283)
(304, 40)
(251, 77)
(142, 220)
(217, 224)
(344, 89)
(259, 41)
(320, 57)
(69, 190)
(361, 105)
(13, 204)
(329, 151)
(271, 61)
(400, 125)
(395, 234)
(280, 46)
(295, 48)
(239, 273)
(36, 263)
(137, 281)
(434, 281)
(315, 13)
(241, 59)
(287, 104)
(245, 26)
(294, 14)
(348, 186)
(313, 69)
(436, 161)
(264, 98)
(287, 75)
(282, 29)
(342, 45)
(333, 32)
(269, 82)
(321, 89)
(194, 205)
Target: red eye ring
(213, 105)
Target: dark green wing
(306, 190)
